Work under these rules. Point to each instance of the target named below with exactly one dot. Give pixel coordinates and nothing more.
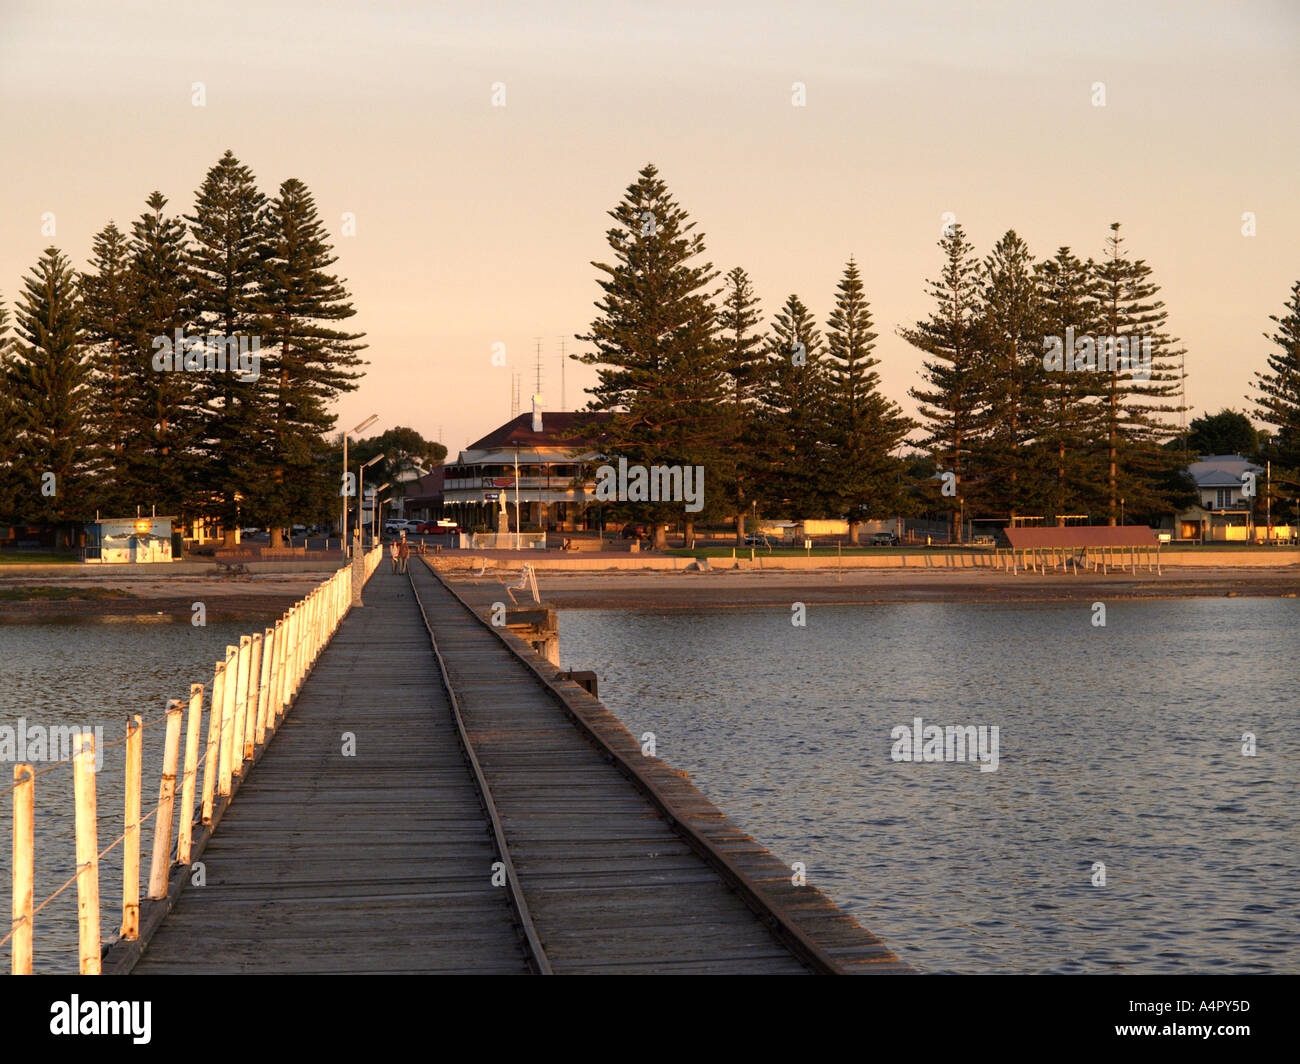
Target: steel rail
(794, 938)
(537, 959)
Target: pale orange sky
(477, 224)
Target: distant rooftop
(1080, 536)
(1221, 470)
(559, 429)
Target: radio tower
(538, 341)
(563, 359)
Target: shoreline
(262, 595)
(744, 589)
(256, 597)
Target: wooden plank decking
(382, 862)
(375, 863)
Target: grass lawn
(35, 557)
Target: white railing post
(228, 721)
(213, 749)
(24, 870)
(264, 684)
(83, 787)
(131, 836)
(250, 705)
(185, 831)
(162, 825)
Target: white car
(398, 525)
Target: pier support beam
(539, 626)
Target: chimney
(537, 413)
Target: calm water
(1120, 745)
(88, 673)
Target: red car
(433, 528)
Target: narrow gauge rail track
(535, 954)
(803, 949)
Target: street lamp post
(365, 424)
(361, 497)
(374, 507)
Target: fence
(251, 693)
(505, 541)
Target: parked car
(433, 528)
(395, 525)
(883, 539)
(634, 532)
(757, 539)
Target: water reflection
(1120, 745)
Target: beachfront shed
(129, 539)
(1087, 546)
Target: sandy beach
(744, 588)
(43, 595)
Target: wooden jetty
(438, 798)
(374, 862)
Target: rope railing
(252, 690)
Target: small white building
(118, 540)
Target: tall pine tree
(307, 361)
(1140, 473)
(793, 404)
(9, 446)
(107, 303)
(864, 429)
(1277, 402)
(228, 238)
(953, 375)
(49, 386)
(161, 406)
(1071, 424)
(662, 374)
(741, 334)
(1015, 385)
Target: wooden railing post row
(281, 643)
(241, 705)
(162, 825)
(291, 665)
(24, 869)
(264, 684)
(131, 836)
(254, 685)
(185, 830)
(300, 647)
(313, 603)
(228, 719)
(290, 657)
(83, 789)
(214, 739)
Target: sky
(477, 224)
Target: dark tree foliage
(662, 373)
(793, 403)
(864, 429)
(1227, 432)
(953, 374)
(108, 298)
(227, 239)
(48, 382)
(307, 361)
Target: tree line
(1048, 388)
(97, 412)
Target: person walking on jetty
(403, 554)
(392, 553)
